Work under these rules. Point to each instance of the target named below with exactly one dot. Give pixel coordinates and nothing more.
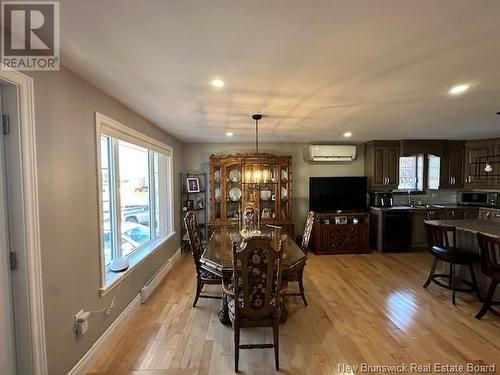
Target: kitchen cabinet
(452, 167)
(471, 213)
(484, 213)
(489, 214)
(382, 164)
(455, 214)
(380, 231)
(437, 214)
(418, 233)
(476, 177)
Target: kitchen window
(433, 171)
(411, 173)
(135, 194)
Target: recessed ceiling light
(347, 134)
(218, 83)
(229, 134)
(459, 89)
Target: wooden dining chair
(297, 276)
(255, 291)
(203, 276)
(490, 265)
(250, 216)
(442, 241)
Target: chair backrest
(257, 277)
(307, 232)
(191, 224)
(443, 236)
(490, 252)
(250, 216)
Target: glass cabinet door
(217, 192)
(285, 186)
(267, 194)
(233, 191)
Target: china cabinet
(262, 180)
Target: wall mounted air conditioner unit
(332, 153)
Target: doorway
(7, 324)
(22, 335)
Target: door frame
(32, 251)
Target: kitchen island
(467, 240)
(472, 226)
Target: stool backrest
(490, 252)
(443, 236)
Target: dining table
(218, 257)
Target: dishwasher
(396, 230)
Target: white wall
(67, 175)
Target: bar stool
(490, 265)
(441, 240)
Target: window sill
(114, 278)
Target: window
(433, 171)
(411, 173)
(135, 185)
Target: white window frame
(106, 126)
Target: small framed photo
(193, 185)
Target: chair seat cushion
(207, 275)
(231, 308)
(455, 255)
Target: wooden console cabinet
(338, 233)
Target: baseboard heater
(148, 289)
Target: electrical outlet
(81, 322)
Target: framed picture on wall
(193, 185)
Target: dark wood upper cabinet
(452, 166)
(391, 161)
(475, 176)
(382, 164)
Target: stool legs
(452, 282)
(433, 270)
(487, 301)
(451, 277)
(474, 282)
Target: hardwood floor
(362, 309)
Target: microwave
(479, 198)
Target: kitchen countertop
(472, 226)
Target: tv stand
(341, 233)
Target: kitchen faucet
(409, 197)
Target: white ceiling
(315, 69)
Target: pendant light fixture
(257, 172)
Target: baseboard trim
(83, 364)
(148, 289)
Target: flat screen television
(329, 194)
